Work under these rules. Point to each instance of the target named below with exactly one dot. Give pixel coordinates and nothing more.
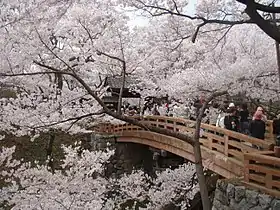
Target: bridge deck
(225, 152)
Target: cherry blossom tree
(225, 12)
(56, 60)
(81, 184)
(222, 63)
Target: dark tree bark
(277, 51)
(50, 150)
(267, 26)
(197, 154)
(121, 90)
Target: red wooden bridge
(227, 153)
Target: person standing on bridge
(221, 116)
(276, 129)
(257, 126)
(155, 110)
(244, 119)
(231, 121)
(213, 114)
(260, 110)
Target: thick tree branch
(31, 73)
(26, 74)
(183, 137)
(252, 7)
(196, 31)
(165, 11)
(267, 26)
(261, 7)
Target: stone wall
(233, 196)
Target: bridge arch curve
(222, 150)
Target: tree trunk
(58, 80)
(120, 96)
(277, 50)
(121, 90)
(201, 178)
(197, 154)
(50, 151)
(278, 59)
(199, 166)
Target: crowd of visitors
(231, 117)
(238, 118)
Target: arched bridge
(227, 153)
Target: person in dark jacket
(257, 126)
(244, 119)
(231, 121)
(276, 125)
(276, 129)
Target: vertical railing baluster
(246, 168)
(226, 144)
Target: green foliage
(28, 151)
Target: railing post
(246, 168)
(226, 144)
(210, 141)
(268, 181)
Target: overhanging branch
(268, 27)
(261, 7)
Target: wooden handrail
(262, 171)
(260, 167)
(226, 142)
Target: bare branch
(110, 56)
(66, 64)
(32, 73)
(175, 5)
(196, 31)
(76, 119)
(91, 37)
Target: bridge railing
(229, 143)
(261, 168)
(262, 171)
